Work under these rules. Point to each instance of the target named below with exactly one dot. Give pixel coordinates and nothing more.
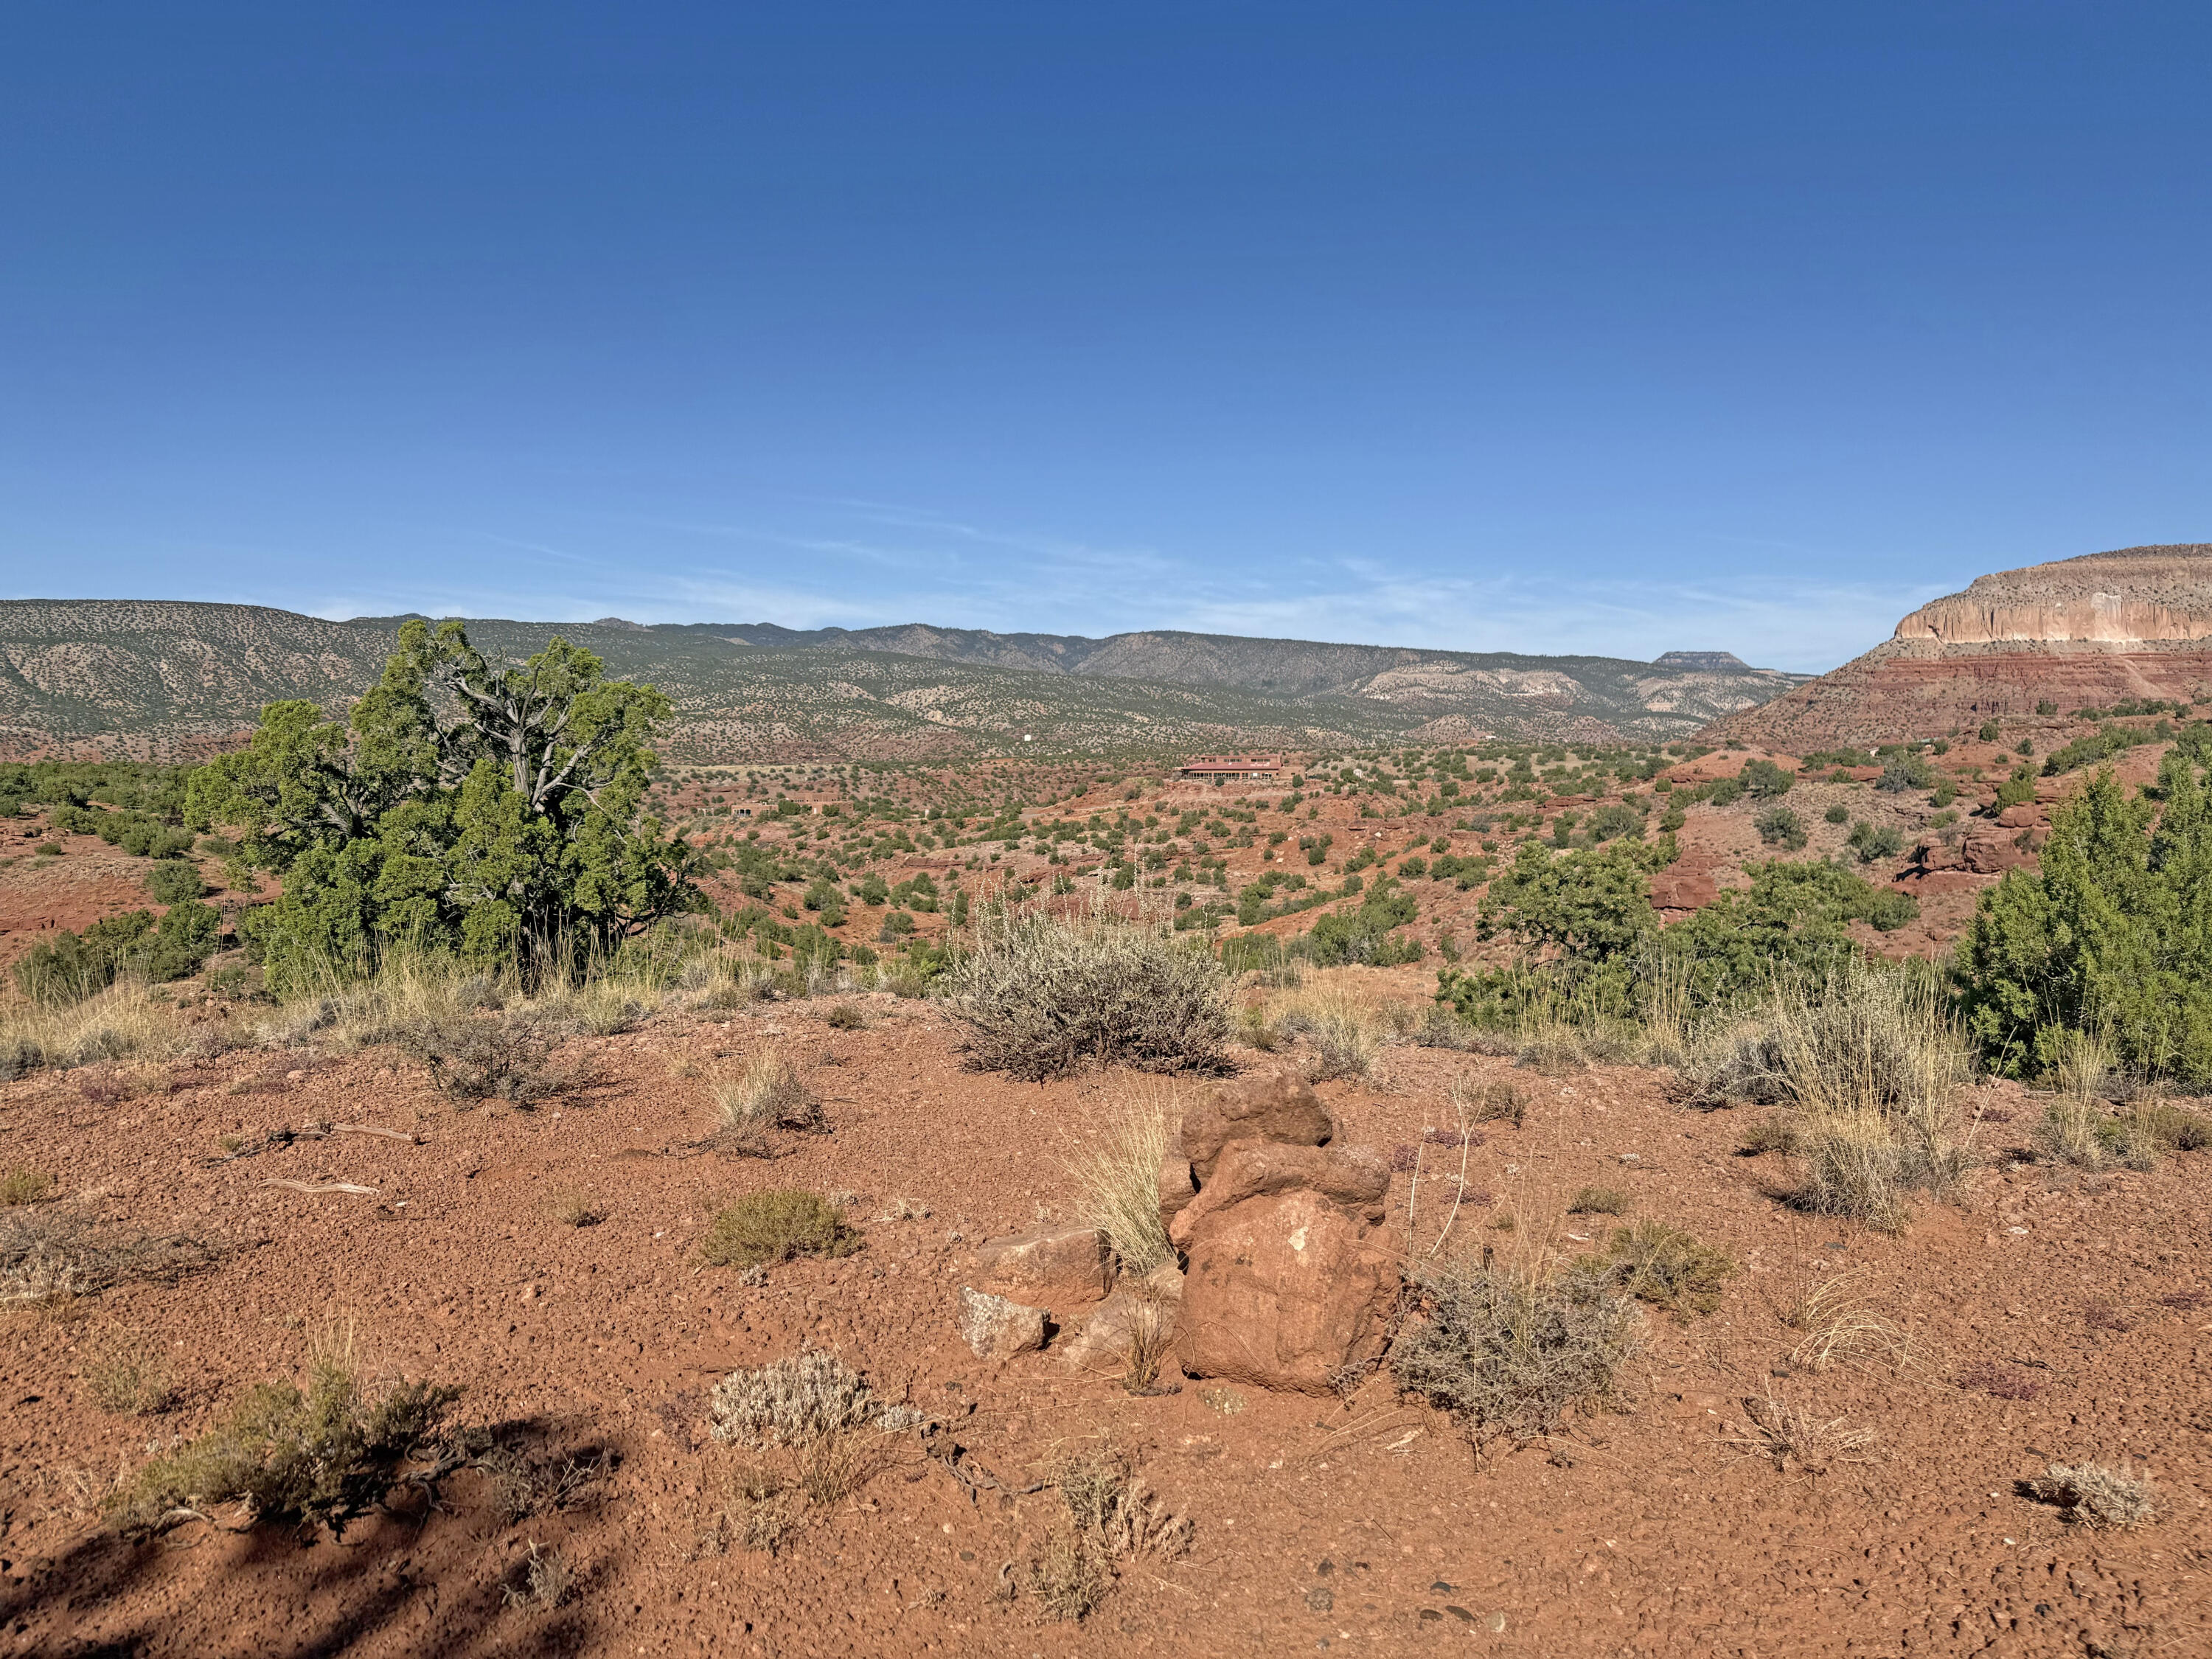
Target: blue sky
(1556, 327)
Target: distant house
(1232, 768)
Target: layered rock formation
(2136, 623)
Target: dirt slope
(1359, 1527)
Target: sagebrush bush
(1506, 1350)
(485, 1056)
(1043, 996)
(323, 1456)
(821, 1415)
(763, 1229)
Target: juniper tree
(495, 810)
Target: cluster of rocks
(1286, 1281)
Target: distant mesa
(2132, 623)
(1706, 662)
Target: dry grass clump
(572, 1208)
(123, 1022)
(1867, 1066)
(1109, 1518)
(846, 1017)
(1498, 1101)
(322, 1455)
(1600, 1200)
(1118, 1176)
(2095, 1495)
(24, 1187)
(129, 1376)
(1843, 1327)
(1795, 1440)
(521, 1486)
(815, 1411)
(1507, 1349)
(1663, 1265)
(47, 1258)
(763, 1229)
(1345, 1034)
(1778, 1134)
(768, 1093)
(539, 1582)
(1042, 996)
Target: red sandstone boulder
(1938, 855)
(1352, 1177)
(1683, 890)
(1058, 1267)
(2021, 815)
(1991, 852)
(1277, 1106)
(1285, 1291)
(1176, 1188)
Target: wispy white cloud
(858, 563)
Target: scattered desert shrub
(2095, 1495)
(1118, 1174)
(23, 1187)
(1340, 1026)
(1868, 1064)
(845, 1017)
(49, 1257)
(1108, 1518)
(1796, 1440)
(768, 1093)
(1042, 996)
(1495, 1102)
(540, 1582)
(1663, 1265)
(575, 1209)
(121, 1023)
(172, 881)
(1778, 826)
(763, 1229)
(815, 1410)
(1778, 1134)
(322, 1457)
(486, 1056)
(65, 967)
(1507, 1349)
(1599, 1200)
(128, 1374)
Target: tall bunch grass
(1118, 1175)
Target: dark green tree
(496, 811)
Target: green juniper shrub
(2105, 935)
(1874, 842)
(172, 881)
(1839, 813)
(1763, 781)
(1778, 826)
(517, 829)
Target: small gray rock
(994, 1327)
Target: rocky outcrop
(1275, 1106)
(1285, 1291)
(1290, 1281)
(1056, 1269)
(2133, 623)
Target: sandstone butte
(2136, 623)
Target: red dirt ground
(1363, 1526)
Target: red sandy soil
(1358, 1526)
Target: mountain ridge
(170, 678)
